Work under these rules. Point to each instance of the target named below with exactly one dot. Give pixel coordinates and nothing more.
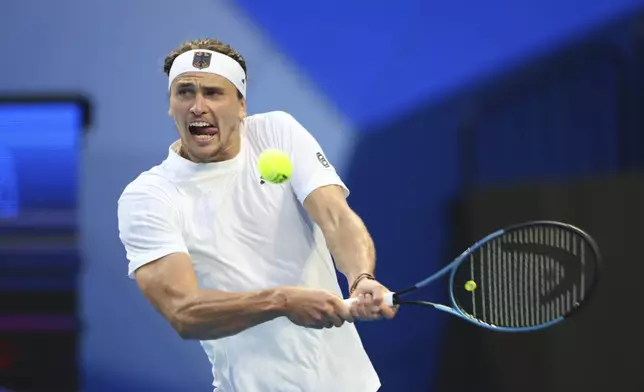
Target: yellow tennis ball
(275, 166)
(470, 285)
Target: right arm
(149, 228)
(171, 287)
(170, 284)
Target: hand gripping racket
(522, 278)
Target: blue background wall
(378, 61)
(376, 85)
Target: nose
(198, 108)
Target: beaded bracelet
(358, 279)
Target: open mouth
(202, 131)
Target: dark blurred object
(39, 361)
(39, 255)
(39, 330)
(573, 114)
(561, 139)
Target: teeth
(203, 137)
(199, 124)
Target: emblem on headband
(201, 60)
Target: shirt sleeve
(311, 168)
(149, 226)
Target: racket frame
(453, 266)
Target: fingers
(388, 312)
(370, 302)
(328, 313)
(370, 310)
(364, 309)
(378, 297)
(333, 320)
(355, 311)
(333, 312)
(360, 308)
(328, 319)
(343, 311)
(372, 295)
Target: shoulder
(276, 129)
(274, 118)
(274, 122)
(151, 184)
(148, 202)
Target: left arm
(352, 249)
(323, 194)
(345, 233)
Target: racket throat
(421, 303)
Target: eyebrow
(186, 85)
(190, 85)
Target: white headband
(200, 60)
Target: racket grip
(388, 299)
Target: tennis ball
(274, 166)
(470, 285)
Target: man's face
(207, 113)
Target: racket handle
(388, 299)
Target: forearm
(351, 246)
(214, 314)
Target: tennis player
(242, 265)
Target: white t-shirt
(244, 235)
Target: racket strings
(520, 287)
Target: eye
(183, 92)
(212, 92)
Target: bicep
(168, 283)
(150, 230)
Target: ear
(242, 109)
(170, 104)
(170, 110)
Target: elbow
(188, 328)
(182, 320)
(191, 331)
(185, 332)
(183, 327)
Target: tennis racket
(522, 278)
